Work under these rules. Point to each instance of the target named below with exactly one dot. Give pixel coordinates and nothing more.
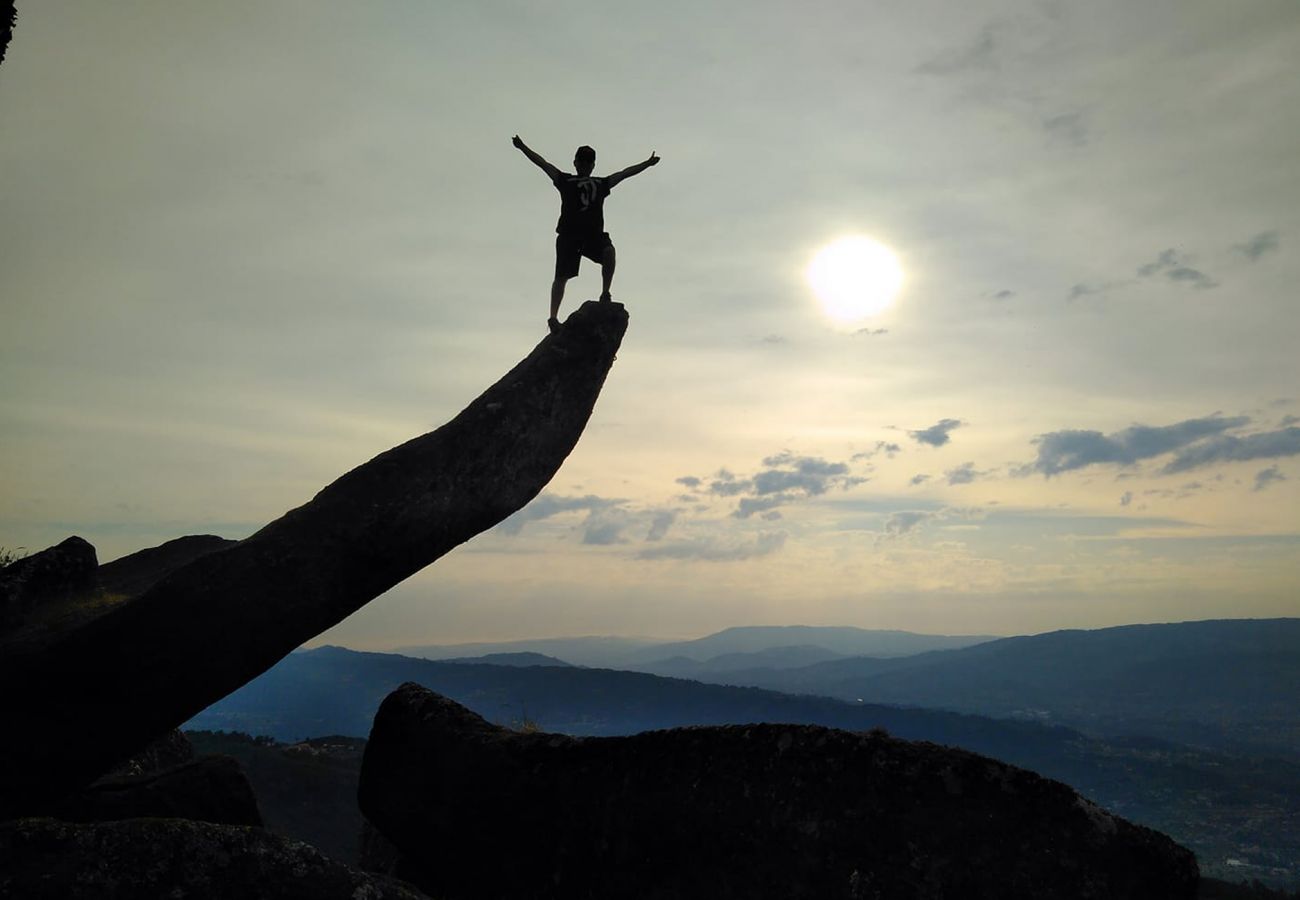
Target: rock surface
(207, 789)
(135, 573)
(59, 572)
(750, 811)
(44, 859)
(148, 664)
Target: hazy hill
(836, 640)
(775, 646)
(509, 659)
(602, 651)
(1232, 684)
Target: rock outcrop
(44, 859)
(207, 789)
(751, 811)
(63, 571)
(147, 664)
(135, 573)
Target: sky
(245, 247)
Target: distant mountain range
(745, 647)
(1216, 804)
(1229, 684)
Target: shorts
(571, 248)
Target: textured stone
(135, 573)
(45, 859)
(751, 811)
(150, 663)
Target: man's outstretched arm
(633, 170)
(550, 170)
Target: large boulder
(45, 859)
(151, 662)
(780, 811)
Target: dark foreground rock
(751, 811)
(64, 570)
(209, 789)
(138, 859)
(135, 573)
(149, 663)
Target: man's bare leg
(557, 294)
(606, 272)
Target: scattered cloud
(713, 550)
(1063, 451)
(690, 481)
(1126, 499)
(936, 435)
(1237, 448)
(772, 339)
(870, 331)
(1173, 265)
(919, 479)
(605, 526)
(1004, 294)
(1260, 245)
(904, 521)
(1265, 477)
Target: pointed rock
(752, 811)
(76, 703)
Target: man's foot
(605, 298)
(554, 325)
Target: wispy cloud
(981, 54)
(1265, 477)
(963, 474)
(547, 505)
(1174, 266)
(1262, 244)
(715, 549)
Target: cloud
(904, 521)
(1067, 128)
(1260, 245)
(1237, 448)
(690, 481)
(605, 526)
(980, 55)
(1063, 451)
(725, 484)
(884, 447)
(547, 505)
(1265, 477)
(1126, 499)
(712, 550)
(747, 506)
(1092, 290)
(870, 331)
(963, 474)
(919, 479)
(1004, 294)
(1173, 266)
(659, 525)
(936, 435)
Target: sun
(855, 278)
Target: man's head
(584, 160)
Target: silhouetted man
(581, 229)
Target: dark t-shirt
(582, 204)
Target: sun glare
(855, 278)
